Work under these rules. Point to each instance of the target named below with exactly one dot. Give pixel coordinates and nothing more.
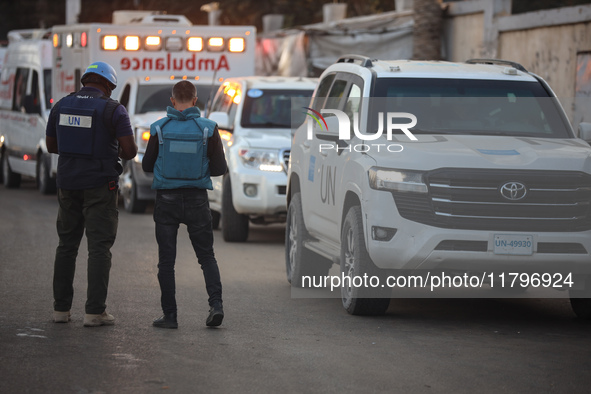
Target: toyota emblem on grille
(513, 191)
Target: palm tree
(427, 31)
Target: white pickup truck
(254, 116)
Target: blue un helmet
(104, 70)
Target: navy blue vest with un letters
(81, 129)
(86, 140)
(182, 154)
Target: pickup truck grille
(510, 200)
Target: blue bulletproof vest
(182, 153)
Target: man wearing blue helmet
(90, 132)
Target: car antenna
(209, 98)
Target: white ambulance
(25, 101)
(151, 52)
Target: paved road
(269, 341)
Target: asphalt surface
(269, 342)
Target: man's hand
(127, 147)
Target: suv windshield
(271, 108)
(467, 106)
(152, 98)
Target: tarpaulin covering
(308, 50)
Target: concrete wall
(550, 52)
(464, 37)
(551, 43)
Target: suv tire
(129, 191)
(355, 261)
(580, 300)
(300, 261)
(12, 180)
(234, 225)
(45, 183)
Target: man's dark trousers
(93, 210)
(191, 207)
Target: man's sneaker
(104, 319)
(216, 315)
(61, 317)
(168, 320)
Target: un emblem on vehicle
(513, 191)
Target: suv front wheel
(234, 225)
(360, 298)
(131, 202)
(45, 183)
(580, 300)
(12, 180)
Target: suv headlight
(396, 180)
(142, 137)
(260, 159)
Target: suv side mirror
(221, 118)
(585, 131)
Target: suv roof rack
(364, 61)
(498, 61)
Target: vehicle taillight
(56, 41)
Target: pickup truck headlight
(396, 180)
(260, 159)
(142, 137)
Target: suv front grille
(472, 199)
(285, 155)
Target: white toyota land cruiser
(253, 116)
(425, 167)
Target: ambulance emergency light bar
(112, 42)
(156, 43)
